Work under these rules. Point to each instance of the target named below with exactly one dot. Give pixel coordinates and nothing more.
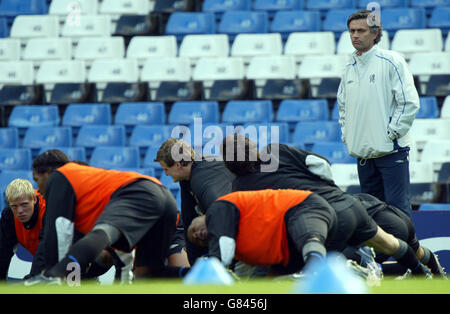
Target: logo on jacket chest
(372, 78)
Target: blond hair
(175, 150)
(18, 188)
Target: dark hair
(237, 147)
(375, 26)
(50, 160)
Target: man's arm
(8, 240)
(341, 106)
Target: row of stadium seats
(231, 23)
(297, 44)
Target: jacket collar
(364, 58)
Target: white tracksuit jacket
(377, 103)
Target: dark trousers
(387, 178)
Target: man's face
(197, 232)
(176, 171)
(360, 35)
(23, 208)
(41, 180)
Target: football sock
(313, 250)
(430, 260)
(406, 257)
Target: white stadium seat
(57, 71)
(421, 172)
(90, 48)
(124, 7)
(423, 130)
(32, 26)
(437, 152)
(10, 49)
(156, 70)
(409, 41)
(197, 46)
(71, 7)
(345, 47)
(272, 67)
(16, 73)
(221, 68)
(445, 110)
(144, 47)
(345, 175)
(250, 45)
(114, 70)
(429, 63)
(40, 49)
(330, 66)
(87, 25)
(310, 43)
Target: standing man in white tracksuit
(377, 103)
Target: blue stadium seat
(149, 157)
(112, 157)
(25, 116)
(144, 136)
(74, 153)
(131, 114)
(286, 22)
(273, 6)
(167, 181)
(6, 176)
(37, 137)
(264, 132)
(440, 18)
(91, 136)
(335, 152)
(15, 159)
(218, 7)
(335, 112)
(394, 19)
(430, 5)
(384, 3)
(325, 6)
(183, 23)
(13, 8)
(4, 28)
(296, 110)
(246, 111)
(77, 115)
(434, 206)
(428, 108)
(336, 21)
(9, 138)
(311, 132)
(184, 112)
(233, 23)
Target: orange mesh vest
(93, 188)
(29, 238)
(261, 238)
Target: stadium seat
(124, 7)
(87, 26)
(440, 18)
(423, 130)
(130, 26)
(234, 23)
(384, 3)
(310, 132)
(167, 181)
(279, 89)
(310, 43)
(434, 206)
(4, 27)
(344, 44)
(149, 157)
(184, 23)
(10, 49)
(13, 8)
(395, 19)
(170, 6)
(178, 91)
(335, 112)
(408, 41)
(428, 108)
(437, 152)
(74, 153)
(430, 63)
(25, 116)
(327, 5)
(345, 175)
(16, 83)
(157, 70)
(210, 69)
(184, 112)
(251, 45)
(445, 109)
(9, 138)
(265, 133)
(63, 8)
(144, 136)
(55, 136)
(200, 46)
(16, 73)
(6, 176)
(25, 27)
(42, 49)
(331, 66)
(274, 6)
(336, 21)
(15, 159)
(131, 114)
(262, 68)
(91, 136)
(218, 7)
(421, 172)
(287, 22)
(423, 193)
(115, 157)
(144, 47)
(91, 48)
(444, 173)
(296, 110)
(335, 152)
(247, 111)
(438, 85)
(77, 115)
